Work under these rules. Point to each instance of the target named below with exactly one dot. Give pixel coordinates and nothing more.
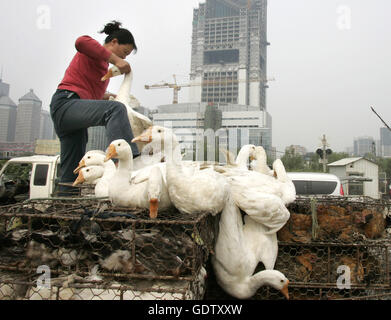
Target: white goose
(261, 196)
(237, 253)
(260, 162)
(138, 122)
(96, 158)
(93, 173)
(263, 246)
(150, 193)
(246, 152)
(190, 192)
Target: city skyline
(348, 149)
(26, 121)
(329, 60)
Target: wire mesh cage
(335, 248)
(94, 250)
(331, 248)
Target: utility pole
(324, 160)
(323, 153)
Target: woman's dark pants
(72, 117)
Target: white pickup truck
(29, 177)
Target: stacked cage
(335, 248)
(87, 250)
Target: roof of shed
(346, 161)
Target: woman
(81, 100)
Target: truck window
(15, 171)
(323, 187)
(41, 173)
(58, 170)
(302, 187)
(314, 187)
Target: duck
(197, 191)
(236, 258)
(260, 162)
(138, 122)
(95, 173)
(127, 190)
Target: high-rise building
(28, 119)
(231, 125)
(229, 52)
(7, 114)
(46, 126)
(364, 145)
(296, 150)
(385, 142)
(97, 139)
(228, 75)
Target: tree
(293, 162)
(309, 163)
(384, 166)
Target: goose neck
(124, 90)
(125, 164)
(242, 157)
(173, 154)
(260, 279)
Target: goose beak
(252, 158)
(111, 153)
(153, 208)
(274, 174)
(114, 71)
(284, 290)
(79, 180)
(82, 164)
(146, 136)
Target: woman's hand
(121, 64)
(107, 96)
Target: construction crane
(174, 86)
(178, 87)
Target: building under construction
(227, 81)
(229, 52)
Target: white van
(36, 180)
(314, 183)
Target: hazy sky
(330, 58)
